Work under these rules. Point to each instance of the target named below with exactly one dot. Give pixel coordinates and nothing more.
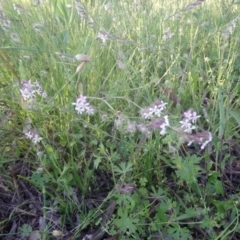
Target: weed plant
(119, 119)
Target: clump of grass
(119, 119)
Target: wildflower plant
(120, 127)
(162, 123)
(82, 106)
(29, 91)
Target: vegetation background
(78, 158)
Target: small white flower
(103, 36)
(29, 135)
(36, 138)
(33, 136)
(166, 120)
(27, 93)
(81, 106)
(164, 125)
(90, 110)
(208, 140)
(154, 110)
(147, 114)
(195, 117)
(29, 90)
(163, 131)
(187, 126)
(191, 115)
(167, 35)
(201, 138)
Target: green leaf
(126, 223)
(123, 147)
(187, 169)
(39, 180)
(96, 162)
(221, 113)
(178, 233)
(161, 216)
(25, 230)
(123, 168)
(236, 116)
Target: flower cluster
(29, 91)
(82, 106)
(33, 136)
(201, 138)
(151, 112)
(189, 118)
(31, 133)
(155, 110)
(229, 29)
(104, 36)
(167, 35)
(161, 124)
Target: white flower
(167, 35)
(81, 106)
(36, 138)
(208, 140)
(163, 131)
(27, 93)
(201, 138)
(29, 135)
(187, 126)
(153, 110)
(33, 136)
(90, 110)
(166, 120)
(103, 36)
(195, 117)
(164, 125)
(191, 115)
(147, 114)
(29, 90)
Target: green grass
(89, 175)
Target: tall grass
(110, 173)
